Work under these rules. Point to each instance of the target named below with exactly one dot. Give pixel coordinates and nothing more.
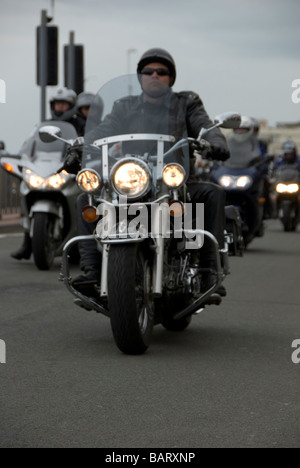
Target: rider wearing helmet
(89, 106)
(289, 154)
(243, 145)
(157, 74)
(63, 107)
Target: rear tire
(129, 297)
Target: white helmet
(245, 131)
(85, 99)
(63, 94)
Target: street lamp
(129, 53)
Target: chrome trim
(134, 136)
(66, 278)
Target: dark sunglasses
(159, 71)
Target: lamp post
(129, 53)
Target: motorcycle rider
(62, 108)
(289, 154)
(89, 105)
(246, 150)
(157, 74)
(243, 145)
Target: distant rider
(289, 155)
(62, 108)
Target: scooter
(286, 195)
(48, 196)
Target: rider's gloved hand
(72, 162)
(202, 146)
(218, 153)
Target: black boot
(25, 250)
(208, 280)
(209, 276)
(86, 283)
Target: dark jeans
(208, 193)
(214, 199)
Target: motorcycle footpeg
(214, 299)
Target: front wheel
(287, 218)
(43, 243)
(129, 297)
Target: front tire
(43, 243)
(129, 297)
(287, 219)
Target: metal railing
(9, 195)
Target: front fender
(45, 206)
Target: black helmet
(161, 56)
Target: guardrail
(9, 195)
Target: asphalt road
(227, 381)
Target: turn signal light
(89, 214)
(261, 201)
(8, 167)
(176, 208)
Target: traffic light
(47, 55)
(74, 67)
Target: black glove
(72, 162)
(201, 146)
(218, 153)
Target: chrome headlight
(289, 188)
(173, 175)
(54, 182)
(88, 180)
(131, 178)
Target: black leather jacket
(181, 114)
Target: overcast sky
(236, 54)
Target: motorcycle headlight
(235, 182)
(54, 182)
(281, 188)
(289, 188)
(227, 181)
(293, 188)
(88, 180)
(131, 178)
(173, 175)
(34, 180)
(244, 182)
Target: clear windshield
(133, 126)
(35, 149)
